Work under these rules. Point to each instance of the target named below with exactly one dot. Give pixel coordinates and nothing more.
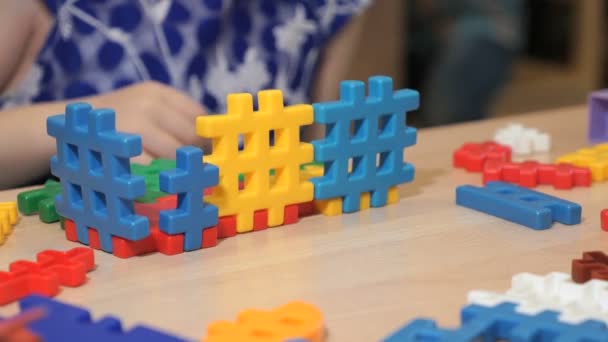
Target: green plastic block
(150, 173)
(40, 201)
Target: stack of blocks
(264, 183)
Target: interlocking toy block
(520, 205)
(595, 158)
(375, 147)
(598, 116)
(64, 322)
(502, 323)
(473, 156)
(593, 265)
(8, 218)
(530, 174)
(533, 294)
(293, 320)
(604, 219)
(51, 269)
(41, 201)
(151, 173)
(523, 140)
(258, 157)
(92, 163)
(189, 180)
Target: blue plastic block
(502, 323)
(379, 132)
(189, 180)
(520, 205)
(66, 323)
(92, 163)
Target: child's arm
(162, 115)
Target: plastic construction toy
(598, 116)
(189, 181)
(534, 294)
(530, 174)
(373, 151)
(151, 173)
(51, 269)
(258, 157)
(473, 156)
(8, 218)
(63, 322)
(595, 158)
(593, 265)
(523, 140)
(502, 323)
(41, 201)
(520, 205)
(295, 320)
(604, 219)
(92, 163)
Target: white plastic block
(555, 291)
(523, 140)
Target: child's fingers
(160, 144)
(8, 327)
(183, 103)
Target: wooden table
(369, 272)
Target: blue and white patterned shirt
(206, 48)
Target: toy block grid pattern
(473, 156)
(51, 269)
(40, 201)
(258, 157)
(8, 218)
(374, 150)
(593, 265)
(598, 116)
(63, 322)
(517, 204)
(555, 291)
(189, 181)
(92, 163)
(595, 158)
(291, 321)
(523, 140)
(530, 174)
(151, 173)
(502, 323)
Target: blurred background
(473, 59)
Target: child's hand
(162, 115)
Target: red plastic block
(472, 156)
(226, 227)
(307, 209)
(604, 218)
(530, 174)
(292, 214)
(152, 210)
(593, 265)
(158, 241)
(51, 269)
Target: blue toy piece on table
(189, 180)
(502, 323)
(66, 323)
(92, 163)
(517, 204)
(375, 146)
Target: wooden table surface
(369, 272)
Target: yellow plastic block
(293, 320)
(393, 195)
(257, 157)
(329, 207)
(595, 158)
(8, 218)
(364, 201)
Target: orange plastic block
(294, 320)
(8, 218)
(258, 157)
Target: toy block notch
(370, 159)
(519, 205)
(258, 157)
(92, 163)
